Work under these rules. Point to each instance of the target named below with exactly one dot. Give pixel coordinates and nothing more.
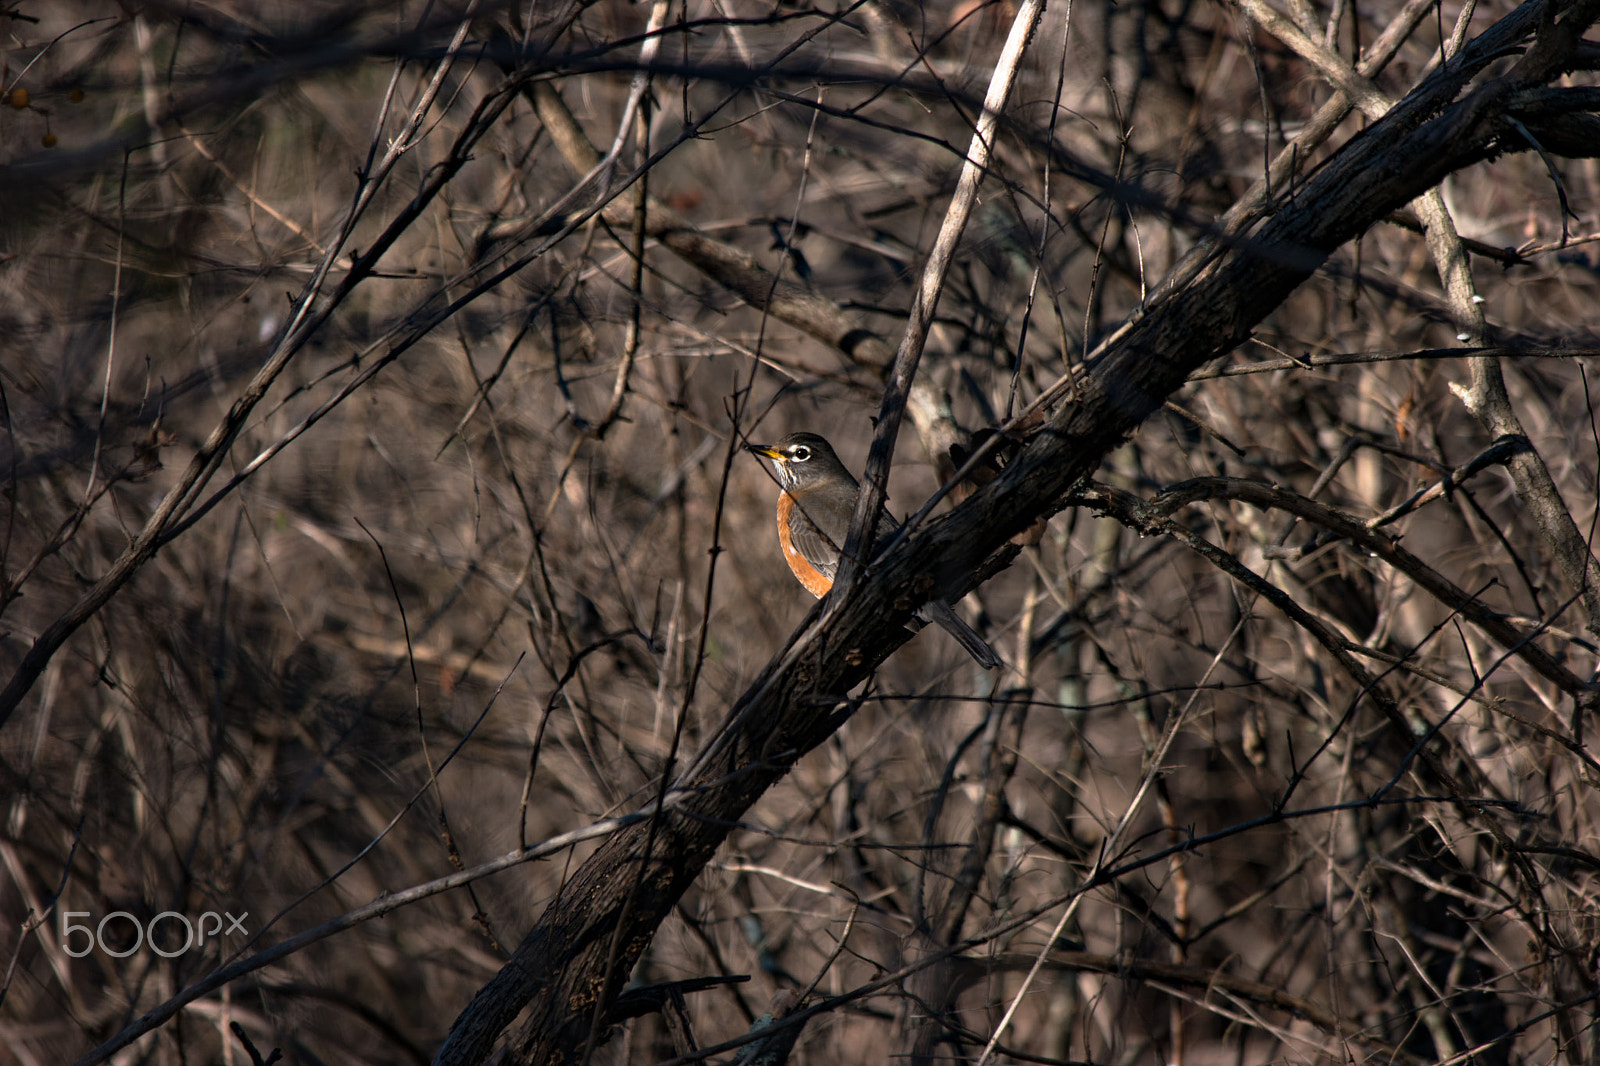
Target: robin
(816, 500)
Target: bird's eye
(800, 454)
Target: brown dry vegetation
(373, 509)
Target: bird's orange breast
(816, 582)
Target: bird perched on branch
(816, 499)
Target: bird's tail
(939, 612)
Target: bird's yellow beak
(766, 451)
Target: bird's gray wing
(818, 548)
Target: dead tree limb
(1208, 305)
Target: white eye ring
(800, 454)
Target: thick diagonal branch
(1209, 307)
